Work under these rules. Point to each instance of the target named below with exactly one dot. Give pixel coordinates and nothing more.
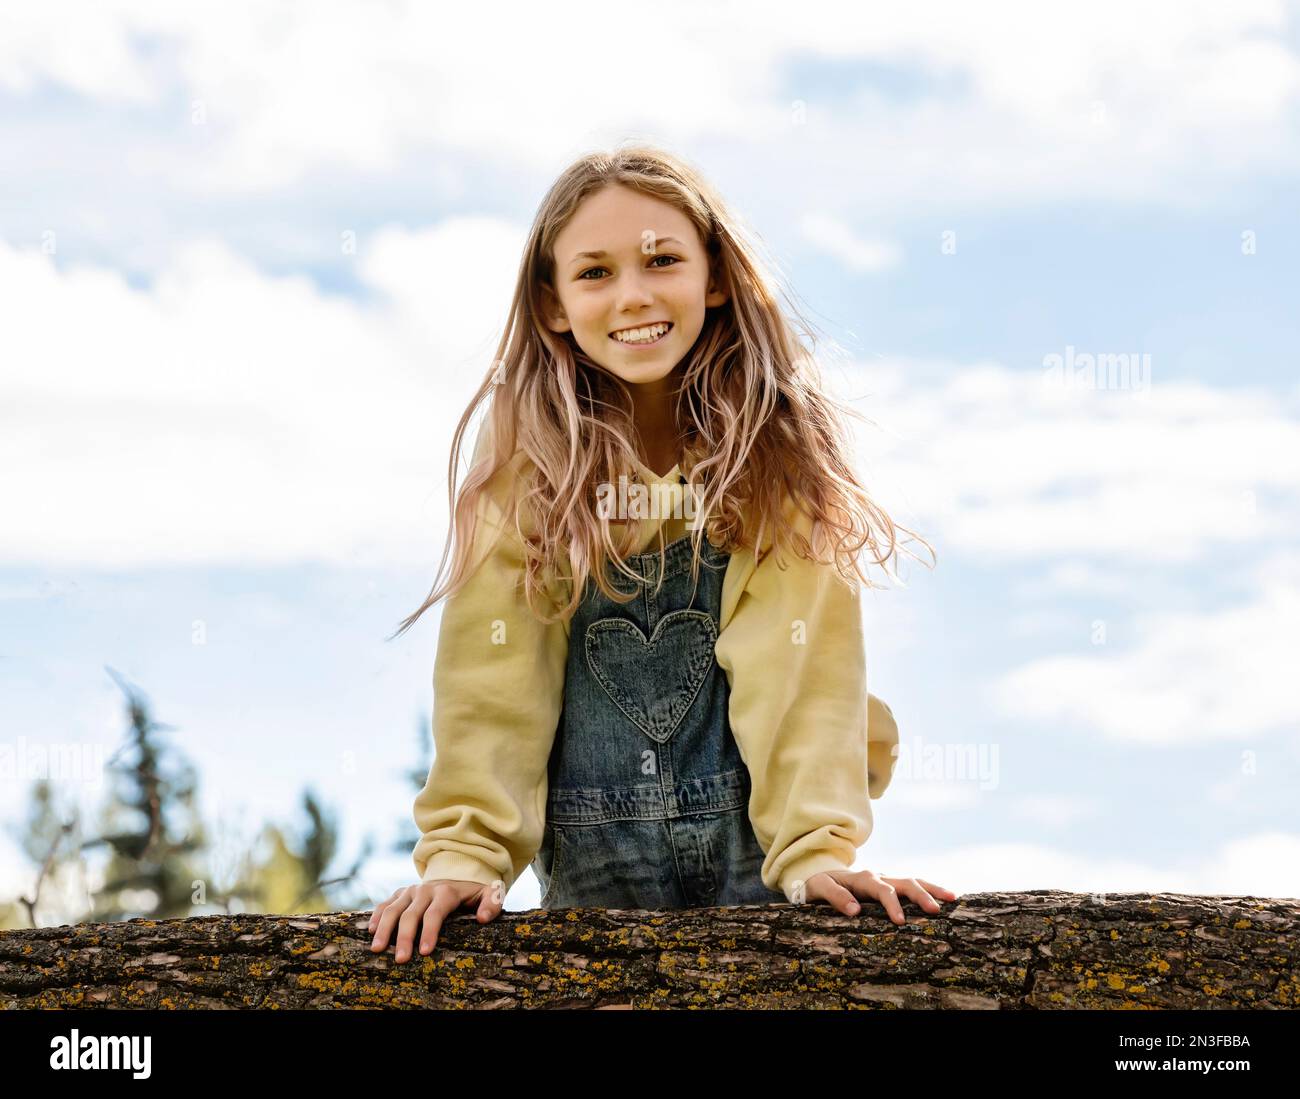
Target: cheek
(691, 301)
(587, 319)
(590, 335)
(692, 311)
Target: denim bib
(648, 798)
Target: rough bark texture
(1043, 949)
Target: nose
(633, 293)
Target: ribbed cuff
(454, 866)
(804, 867)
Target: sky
(256, 257)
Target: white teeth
(641, 335)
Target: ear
(553, 315)
(717, 293)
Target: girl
(682, 726)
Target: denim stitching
(677, 556)
(727, 794)
(695, 655)
(555, 865)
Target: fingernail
(854, 909)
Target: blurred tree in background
(161, 861)
(150, 824)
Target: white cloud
(838, 239)
(86, 48)
(1040, 620)
(933, 795)
(1074, 577)
(1119, 501)
(1166, 100)
(448, 286)
(1266, 864)
(1235, 791)
(1263, 865)
(1003, 466)
(226, 415)
(1055, 810)
(1195, 675)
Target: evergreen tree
(151, 824)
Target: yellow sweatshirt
(816, 744)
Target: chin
(655, 373)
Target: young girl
(689, 725)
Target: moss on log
(1037, 950)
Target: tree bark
(1043, 949)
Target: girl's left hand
(842, 887)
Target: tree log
(1043, 949)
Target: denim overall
(648, 797)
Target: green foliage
(161, 861)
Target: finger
(938, 890)
(379, 911)
(914, 889)
(411, 920)
(388, 921)
(887, 895)
(380, 908)
(433, 917)
(831, 890)
(490, 903)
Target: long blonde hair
(759, 432)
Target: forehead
(615, 219)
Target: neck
(656, 426)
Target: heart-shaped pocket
(653, 682)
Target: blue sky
(225, 435)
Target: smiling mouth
(645, 335)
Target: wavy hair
(758, 432)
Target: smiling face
(632, 282)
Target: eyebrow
(601, 253)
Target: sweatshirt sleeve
(498, 683)
(816, 744)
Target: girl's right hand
(425, 906)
